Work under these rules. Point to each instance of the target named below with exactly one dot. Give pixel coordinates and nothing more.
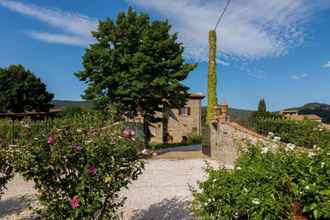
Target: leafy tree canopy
(135, 64)
(21, 91)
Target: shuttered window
(185, 111)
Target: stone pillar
(216, 129)
(214, 134)
(224, 109)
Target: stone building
(181, 122)
(294, 115)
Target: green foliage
(21, 91)
(136, 64)
(301, 133)
(194, 138)
(70, 111)
(79, 164)
(262, 106)
(212, 76)
(265, 184)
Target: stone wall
(180, 126)
(226, 138)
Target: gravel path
(162, 192)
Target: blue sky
(276, 49)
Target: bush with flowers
(78, 164)
(268, 184)
(6, 170)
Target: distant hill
(66, 103)
(240, 116)
(322, 110)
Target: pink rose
(74, 202)
(50, 140)
(128, 133)
(77, 147)
(92, 170)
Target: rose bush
(79, 164)
(6, 170)
(267, 184)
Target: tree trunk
(146, 132)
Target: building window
(185, 111)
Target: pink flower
(128, 133)
(77, 147)
(92, 170)
(51, 140)
(74, 202)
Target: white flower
(274, 146)
(79, 130)
(315, 146)
(307, 187)
(291, 146)
(256, 201)
(238, 168)
(245, 149)
(270, 134)
(88, 141)
(311, 154)
(322, 165)
(277, 139)
(264, 150)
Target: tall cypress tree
(262, 106)
(212, 75)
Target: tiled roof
(196, 95)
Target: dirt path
(162, 192)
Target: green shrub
(79, 164)
(301, 133)
(194, 138)
(265, 184)
(73, 110)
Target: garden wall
(225, 139)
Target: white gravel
(162, 192)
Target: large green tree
(135, 64)
(22, 91)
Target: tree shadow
(13, 205)
(167, 209)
